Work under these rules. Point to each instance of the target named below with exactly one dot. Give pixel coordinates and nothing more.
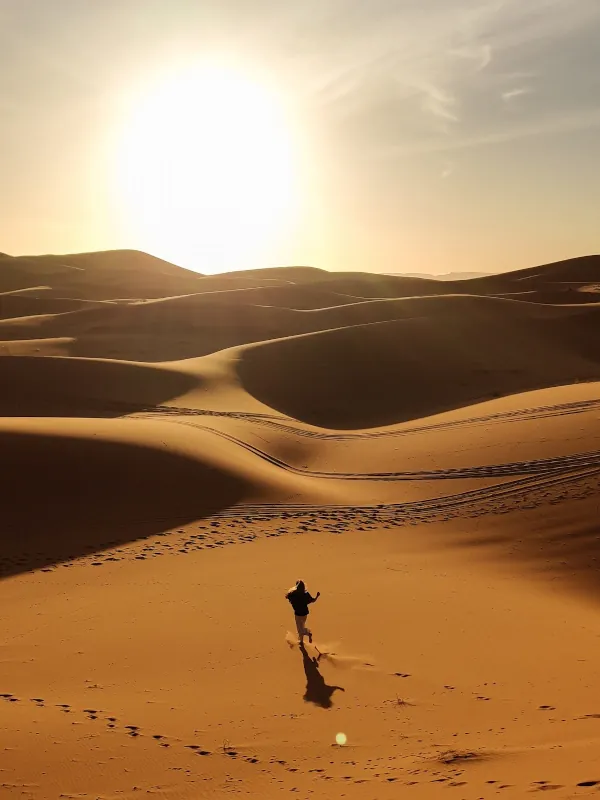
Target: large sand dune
(178, 449)
(454, 352)
(569, 275)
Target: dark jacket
(300, 602)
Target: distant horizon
(390, 273)
(404, 272)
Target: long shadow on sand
(317, 691)
(64, 497)
(35, 386)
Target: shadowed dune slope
(69, 495)
(288, 274)
(98, 276)
(13, 305)
(571, 296)
(133, 274)
(585, 269)
(187, 326)
(287, 296)
(46, 386)
(388, 372)
(373, 285)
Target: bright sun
(206, 170)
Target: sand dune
(187, 326)
(569, 274)
(99, 276)
(13, 305)
(425, 453)
(101, 483)
(109, 488)
(420, 365)
(41, 386)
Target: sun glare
(206, 170)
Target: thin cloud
(587, 120)
(440, 103)
(517, 92)
(537, 21)
(426, 73)
(479, 54)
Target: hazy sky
(424, 135)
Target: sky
(378, 135)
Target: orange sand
(179, 450)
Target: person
(300, 600)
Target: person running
(300, 600)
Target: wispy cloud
(479, 54)
(445, 63)
(389, 72)
(585, 121)
(519, 91)
(439, 103)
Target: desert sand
(179, 449)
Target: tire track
(279, 423)
(536, 466)
(422, 510)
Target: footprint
(544, 786)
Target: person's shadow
(317, 691)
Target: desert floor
(156, 510)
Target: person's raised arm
(314, 599)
